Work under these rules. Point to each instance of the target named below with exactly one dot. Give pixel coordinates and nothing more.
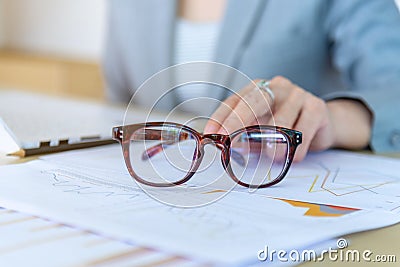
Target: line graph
(83, 184)
(341, 182)
(336, 179)
(345, 183)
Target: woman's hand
(343, 123)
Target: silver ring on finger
(263, 85)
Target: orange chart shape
(320, 210)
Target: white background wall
(72, 28)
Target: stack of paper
(27, 239)
(326, 196)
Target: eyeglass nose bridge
(221, 140)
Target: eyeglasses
(166, 154)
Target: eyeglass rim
(294, 139)
(123, 133)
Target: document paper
(326, 196)
(29, 240)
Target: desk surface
(384, 241)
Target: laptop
(32, 124)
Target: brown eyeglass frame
(123, 135)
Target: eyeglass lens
(264, 154)
(162, 154)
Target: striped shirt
(194, 41)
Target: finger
(225, 109)
(254, 105)
(287, 112)
(217, 118)
(263, 120)
(309, 122)
(281, 88)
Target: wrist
(351, 123)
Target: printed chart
(328, 195)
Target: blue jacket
(332, 48)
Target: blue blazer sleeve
(365, 35)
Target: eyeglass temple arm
(117, 134)
(154, 150)
(156, 135)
